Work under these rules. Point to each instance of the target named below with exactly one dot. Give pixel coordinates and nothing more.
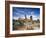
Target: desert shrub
(17, 23)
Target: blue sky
(21, 11)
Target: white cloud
(32, 13)
(17, 13)
(22, 17)
(28, 16)
(36, 17)
(21, 11)
(15, 18)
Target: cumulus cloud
(36, 17)
(15, 18)
(28, 17)
(22, 16)
(32, 13)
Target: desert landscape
(26, 24)
(25, 18)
